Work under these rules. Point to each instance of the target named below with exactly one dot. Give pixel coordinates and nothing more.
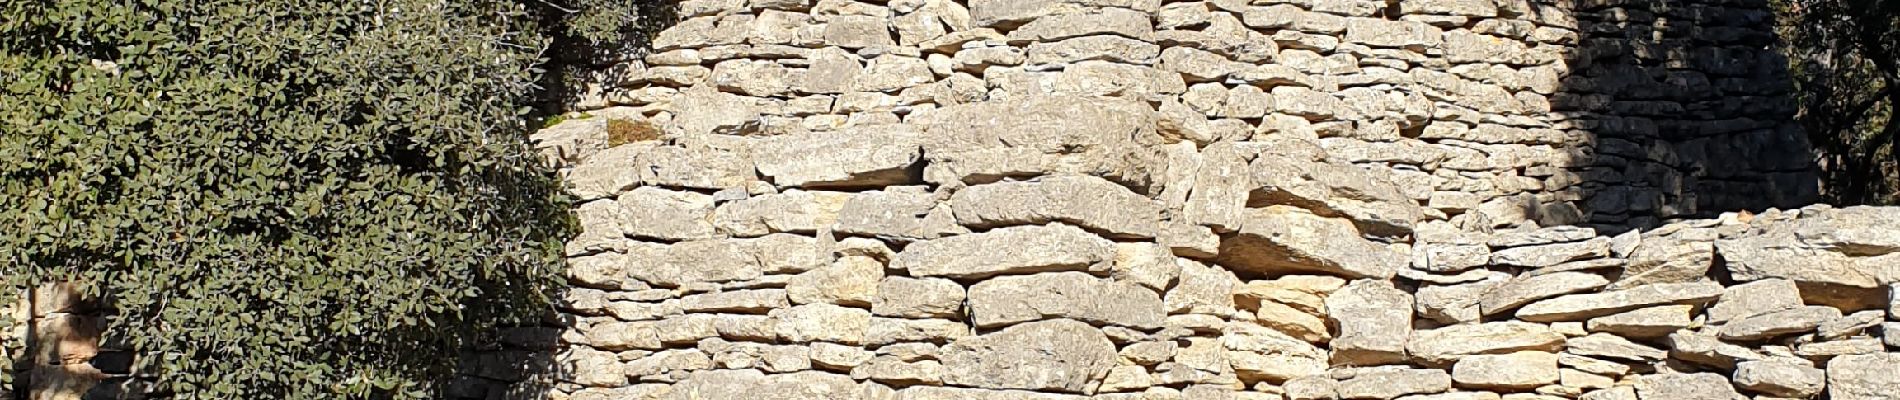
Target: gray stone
(849, 281)
(1007, 300)
(898, 213)
(1779, 323)
(870, 156)
(1260, 353)
(1667, 260)
(1100, 47)
(1014, 250)
(1707, 349)
(1038, 135)
(1373, 203)
(1374, 320)
(1281, 239)
(1514, 371)
(1552, 254)
(1584, 306)
(1445, 345)
(1527, 289)
(918, 298)
(1864, 377)
(1389, 384)
(822, 323)
(1702, 386)
(653, 213)
(1612, 346)
(1645, 322)
(1754, 298)
(1055, 355)
(1783, 379)
(1085, 201)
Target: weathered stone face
(1056, 355)
(1138, 199)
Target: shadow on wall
(1688, 111)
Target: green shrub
(283, 199)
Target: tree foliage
(1845, 56)
(281, 199)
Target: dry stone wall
(1128, 199)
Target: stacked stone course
(1280, 199)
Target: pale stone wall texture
(1231, 199)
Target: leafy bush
(282, 199)
(1845, 58)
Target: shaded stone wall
(1127, 199)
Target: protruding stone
(1055, 355)
(1085, 201)
(822, 323)
(1445, 345)
(1514, 371)
(1373, 203)
(1528, 288)
(1784, 379)
(1755, 298)
(1281, 239)
(1779, 323)
(1390, 384)
(918, 298)
(1009, 300)
(870, 156)
(1702, 386)
(1583, 306)
(1014, 250)
(1646, 322)
(1863, 377)
(1374, 321)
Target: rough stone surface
(1139, 199)
(1073, 295)
(1057, 355)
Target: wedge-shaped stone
(1014, 250)
(869, 156)
(1706, 349)
(1531, 288)
(1515, 371)
(1864, 377)
(1085, 201)
(1645, 322)
(1282, 239)
(1374, 319)
(1779, 323)
(1613, 346)
(1055, 355)
(1373, 203)
(1579, 307)
(1445, 345)
(1010, 300)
